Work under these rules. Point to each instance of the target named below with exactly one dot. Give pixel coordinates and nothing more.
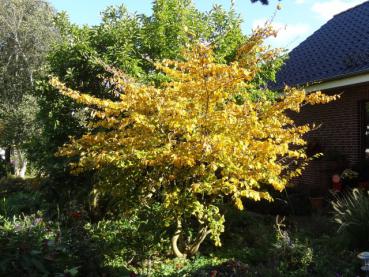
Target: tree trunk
(175, 238)
(20, 163)
(23, 169)
(194, 248)
(191, 249)
(8, 154)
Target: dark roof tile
(338, 48)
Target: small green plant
(349, 174)
(20, 196)
(135, 242)
(351, 213)
(14, 184)
(29, 246)
(20, 203)
(294, 256)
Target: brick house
(335, 60)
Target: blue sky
(296, 21)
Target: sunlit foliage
(197, 140)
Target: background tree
(196, 141)
(124, 41)
(26, 34)
(74, 58)
(131, 43)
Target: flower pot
(364, 185)
(316, 202)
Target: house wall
(340, 132)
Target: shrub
(351, 213)
(134, 242)
(173, 144)
(16, 184)
(3, 168)
(21, 203)
(20, 196)
(294, 257)
(31, 247)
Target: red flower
(213, 273)
(75, 214)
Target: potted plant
(337, 185)
(349, 178)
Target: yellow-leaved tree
(197, 140)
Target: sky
(295, 21)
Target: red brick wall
(340, 131)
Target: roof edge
(349, 80)
(354, 7)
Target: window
(365, 142)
